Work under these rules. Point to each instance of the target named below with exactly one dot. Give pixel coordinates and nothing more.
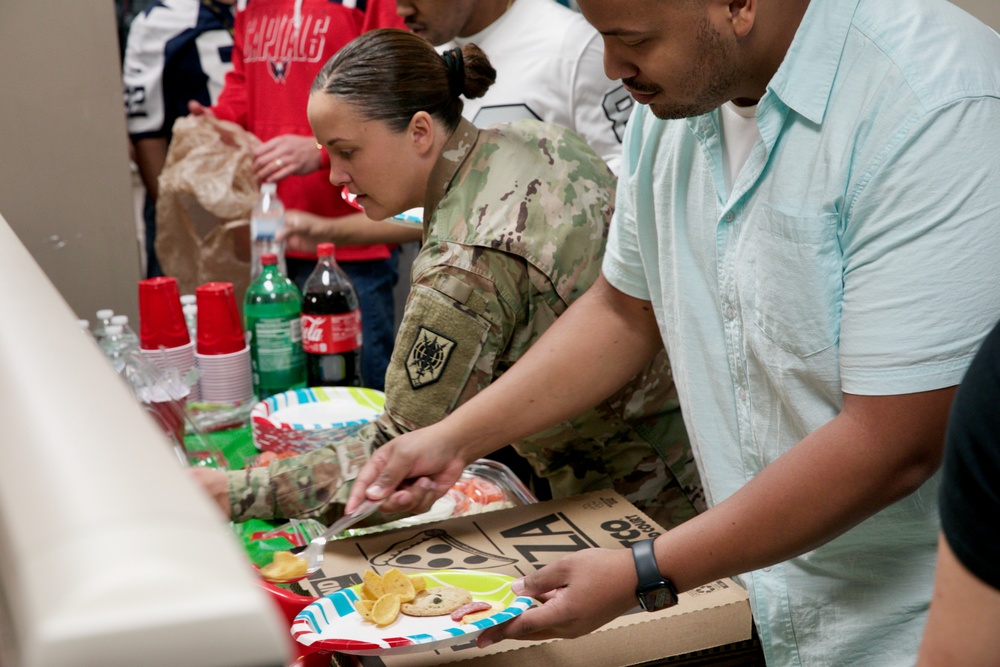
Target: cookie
(436, 601)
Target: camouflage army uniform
(514, 231)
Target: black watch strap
(654, 591)
(645, 562)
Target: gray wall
(65, 186)
(987, 11)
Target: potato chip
(284, 566)
(399, 584)
(372, 588)
(418, 583)
(364, 608)
(386, 609)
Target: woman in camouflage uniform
(515, 220)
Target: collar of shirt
(454, 153)
(805, 78)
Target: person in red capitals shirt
(278, 48)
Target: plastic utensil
(313, 553)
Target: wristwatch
(654, 591)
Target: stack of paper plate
(302, 420)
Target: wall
(987, 11)
(65, 186)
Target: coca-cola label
(331, 334)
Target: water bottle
(190, 311)
(267, 218)
(117, 347)
(271, 308)
(331, 325)
(104, 316)
(128, 334)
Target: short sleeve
(921, 248)
(622, 264)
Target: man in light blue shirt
(808, 217)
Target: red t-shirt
(274, 64)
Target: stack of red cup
(163, 334)
(222, 352)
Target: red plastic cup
(161, 318)
(220, 330)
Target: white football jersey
(178, 50)
(550, 66)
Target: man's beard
(712, 80)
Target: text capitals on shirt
(274, 38)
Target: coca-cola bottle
(331, 325)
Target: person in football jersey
(549, 63)
(279, 47)
(177, 50)
(484, 286)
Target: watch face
(660, 597)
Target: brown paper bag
(207, 193)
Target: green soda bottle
(271, 308)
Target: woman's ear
(421, 132)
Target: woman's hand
(284, 156)
(216, 485)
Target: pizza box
(712, 620)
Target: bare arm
(876, 451)
(304, 230)
(150, 156)
(594, 348)
(964, 617)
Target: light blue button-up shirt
(859, 252)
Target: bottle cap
(161, 320)
(113, 330)
(325, 250)
(105, 314)
(83, 324)
(219, 328)
(268, 258)
(187, 299)
(268, 188)
(121, 320)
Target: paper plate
(332, 624)
(301, 420)
(413, 217)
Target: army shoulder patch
(428, 357)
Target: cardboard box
(519, 540)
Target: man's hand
(579, 593)
(412, 471)
(284, 156)
(216, 485)
(196, 108)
